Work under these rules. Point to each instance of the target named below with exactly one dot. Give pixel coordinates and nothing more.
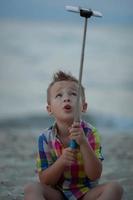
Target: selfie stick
(86, 13)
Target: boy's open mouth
(67, 107)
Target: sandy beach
(17, 160)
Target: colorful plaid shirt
(73, 183)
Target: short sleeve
(95, 142)
(44, 156)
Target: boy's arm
(92, 165)
(52, 174)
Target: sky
(119, 11)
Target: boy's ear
(85, 105)
(49, 109)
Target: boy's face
(63, 96)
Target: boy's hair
(62, 76)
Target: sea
(30, 52)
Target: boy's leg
(33, 191)
(107, 191)
(36, 191)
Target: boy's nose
(66, 99)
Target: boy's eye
(58, 95)
(74, 93)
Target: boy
(67, 173)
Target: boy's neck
(62, 128)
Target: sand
(17, 160)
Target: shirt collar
(54, 129)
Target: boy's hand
(77, 133)
(68, 156)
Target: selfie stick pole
(86, 13)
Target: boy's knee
(116, 187)
(28, 188)
(39, 191)
(33, 191)
(32, 188)
(28, 191)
